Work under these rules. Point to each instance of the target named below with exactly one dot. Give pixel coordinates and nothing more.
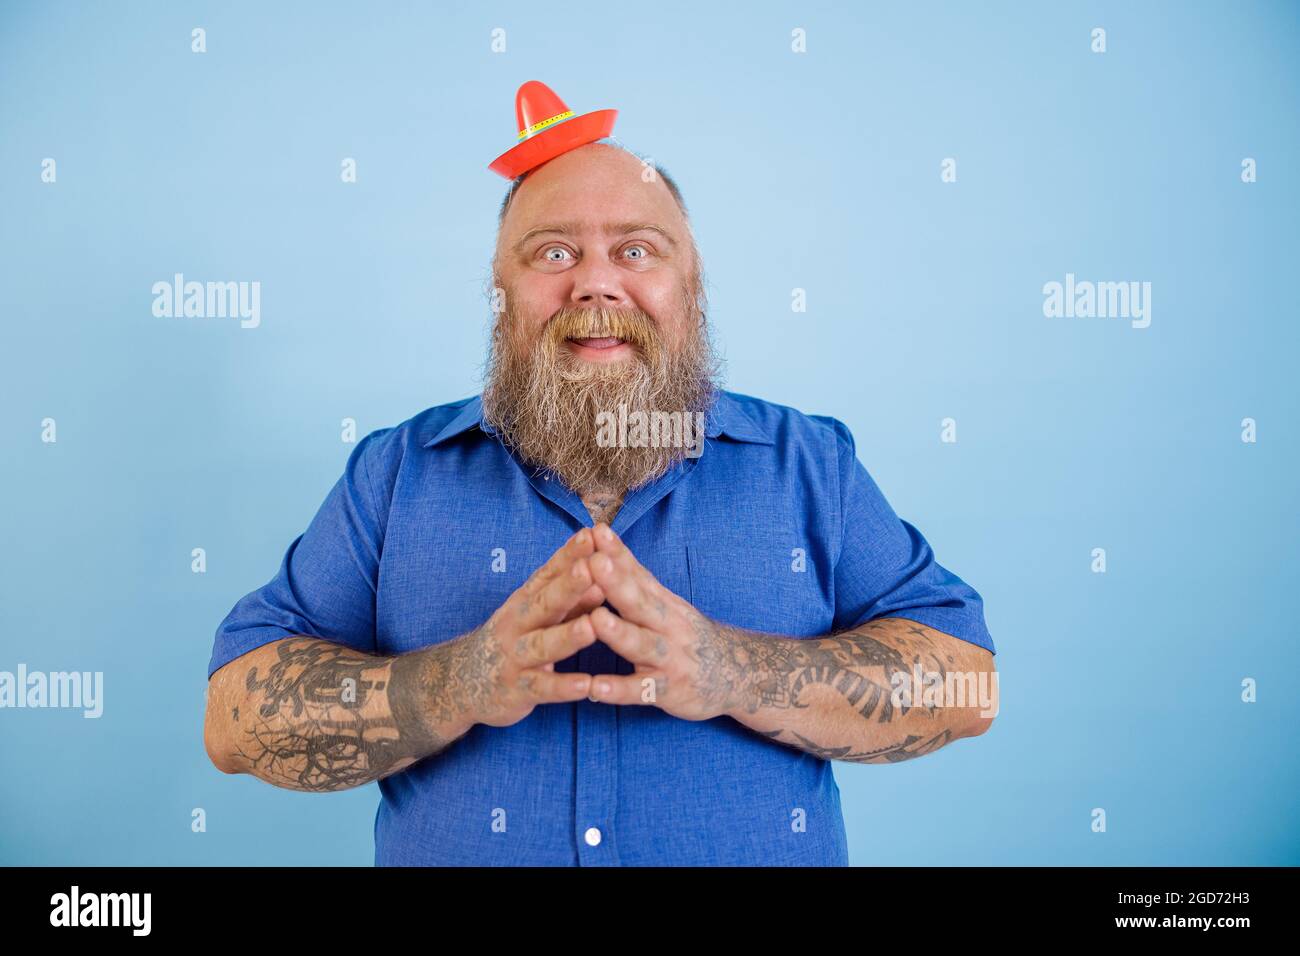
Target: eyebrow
(610, 229)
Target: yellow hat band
(538, 127)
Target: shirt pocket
(774, 581)
(670, 567)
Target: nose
(598, 285)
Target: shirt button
(592, 836)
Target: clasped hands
(681, 657)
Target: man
(555, 642)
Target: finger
(580, 544)
(577, 545)
(546, 645)
(551, 603)
(592, 599)
(640, 688)
(629, 640)
(547, 687)
(605, 540)
(608, 543)
(628, 595)
(604, 536)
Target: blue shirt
(776, 526)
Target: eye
(644, 252)
(559, 249)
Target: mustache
(630, 325)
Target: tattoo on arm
(324, 717)
(746, 671)
(750, 671)
(906, 750)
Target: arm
(308, 714)
(890, 688)
(887, 691)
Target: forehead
(593, 189)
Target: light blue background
(818, 171)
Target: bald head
(659, 171)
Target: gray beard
(549, 409)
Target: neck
(603, 503)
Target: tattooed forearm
(838, 697)
(308, 714)
(909, 747)
(753, 671)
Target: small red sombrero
(548, 128)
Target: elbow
(216, 752)
(986, 693)
(219, 758)
(215, 738)
(981, 725)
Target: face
(603, 306)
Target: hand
(686, 664)
(510, 660)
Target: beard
(547, 403)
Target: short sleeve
(326, 583)
(886, 568)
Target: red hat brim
(551, 142)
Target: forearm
(309, 714)
(888, 691)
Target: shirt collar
(725, 418)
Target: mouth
(599, 348)
(603, 342)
